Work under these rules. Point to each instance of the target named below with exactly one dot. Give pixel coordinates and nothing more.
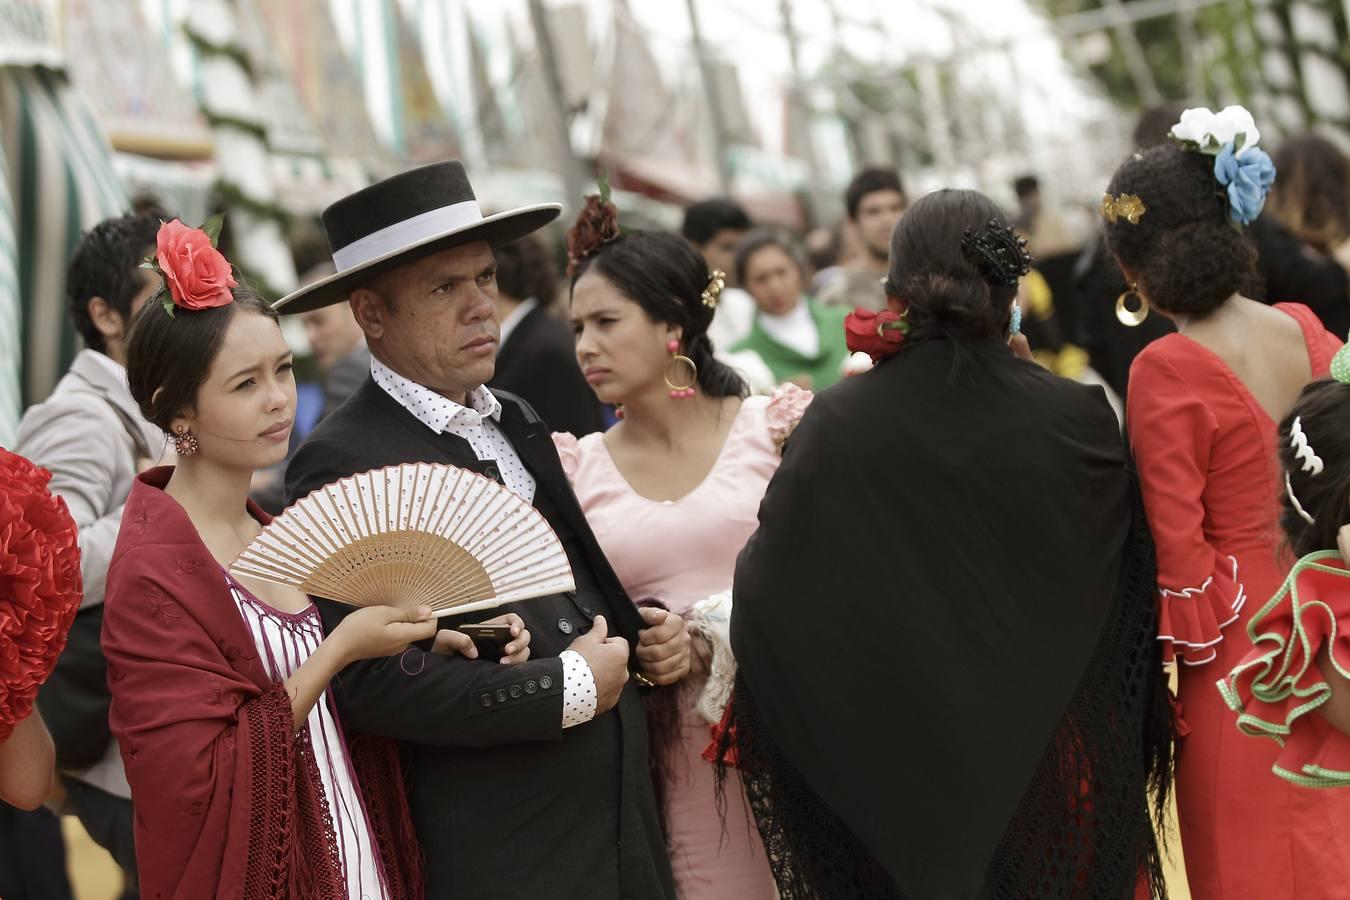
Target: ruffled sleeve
(1172, 431)
(1278, 686)
(569, 452)
(787, 404)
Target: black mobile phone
(491, 640)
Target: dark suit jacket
(538, 362)
(505, 802)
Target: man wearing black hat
(529, 780)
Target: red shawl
(228, 797)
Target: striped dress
(284, 641)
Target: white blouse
(284, 641)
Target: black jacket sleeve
(423, 697)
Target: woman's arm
(27, 764)
(1337, 708)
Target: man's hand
(663, 646)
(450, 641)
(608, 659)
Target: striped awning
(61, 183)
(11, 401)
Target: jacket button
(501, 695)
(564, 626)
(486, 699)
(546, 681)
(587, 611)
(515, 691)
(493, 472)
(531, 686)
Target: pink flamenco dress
(683, 553)
(1208, 468)
(1277, 687)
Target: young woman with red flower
(40, 590)
(243, 780)
(949, 680)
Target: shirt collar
(523, 309)
(432, 409)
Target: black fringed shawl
(949, 680)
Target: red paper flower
(197, 275)
(40, 585)
(878, 334)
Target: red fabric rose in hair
(40, 585)
(197, 275)
(597, 223)
(878, 334)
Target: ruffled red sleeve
(1278, 686)
(1172, 431)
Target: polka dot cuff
(578, 689)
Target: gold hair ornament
(1127, 206)
(716, 282)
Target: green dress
(823, 368)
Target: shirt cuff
(578, 689)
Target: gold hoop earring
(1131, 318)
(680, 391)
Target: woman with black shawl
(950, 683)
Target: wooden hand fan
(412, 535)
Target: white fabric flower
(1213, 131)
(856, 364)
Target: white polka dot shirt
(477, 424)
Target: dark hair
(169, 358)
(870, 181)
(1312, 196)
(1323, 411)
(1187, 256)
(665, 275)
(945, 293)
(526, 268)
(1155, 124)
(703, 220)
(757, 241)
(1026, 185)
(106, 264)
(823, 253)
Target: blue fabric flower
(1248, 178)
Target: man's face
(878, 213)
(720, 252)
(434, 320)
(332, 333)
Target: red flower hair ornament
(196, 275)
(40, 584)
(878, 334)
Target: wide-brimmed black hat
(403, 218)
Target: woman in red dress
(1203, 408)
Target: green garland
(206, 46)
(215, 120)
(230, 196)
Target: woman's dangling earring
(1015, 326)
(680, 391)
(184, 442)
(618, 410)
(1131, 317)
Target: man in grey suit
(91, 436)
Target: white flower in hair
(1210, 132)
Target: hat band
(422, 227)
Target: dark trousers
(32, 855)
(108, 819)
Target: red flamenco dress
(1277, 687)
(40, 586)
(1211, 482)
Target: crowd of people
(880, 558)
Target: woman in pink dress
(672, 493)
